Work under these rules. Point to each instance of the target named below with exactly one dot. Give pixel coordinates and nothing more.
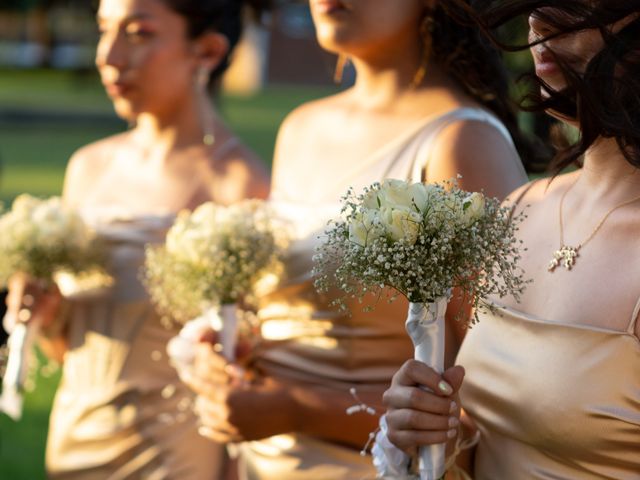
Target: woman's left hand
(233, 408)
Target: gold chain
(566, 255)
(600, 223)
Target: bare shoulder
(480, 153)
(86, 165)
(541, 192)
(302, 124)
(248, 173)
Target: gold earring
(426, 37)
(341, 63)
(202, 81)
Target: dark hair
(461, 49)
(605, 98)
(222, 16)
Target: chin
(125, 111)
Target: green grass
(34, 155)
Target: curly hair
(222, 16)
(461, 49)
(604, 99)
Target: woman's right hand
(29, 300)
(416, 417)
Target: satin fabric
(318, 345)
(120, 411)
(552, 400)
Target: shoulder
(539, 192)
(246, 172)
(479, 152)
(303, 118)
(86, 164)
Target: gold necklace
(566, 255)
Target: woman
(120, 411)
(427, 103)
(552, 382)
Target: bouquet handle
(426, 326)
(229, 330)
(20, 343)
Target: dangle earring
(202, 81)
(341, 63)
(426, 38)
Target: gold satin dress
(120, 411)
(319, 345)
(552, 401)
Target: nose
(538, 27)
(111, 51)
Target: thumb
(454, 377)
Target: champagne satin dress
(319, 345)
(553, 401)
(120, 411)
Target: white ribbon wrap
(229, 330)
(426, 325)
(21, 341)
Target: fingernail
(453, 407)
(452, 433)
(445, 388)
(453, 422)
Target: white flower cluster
(422, 240)
(42, 237)
(214, 255)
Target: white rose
(401, 223)
(395, 193)
(365, 227)
(473, 207)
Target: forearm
(322, 412)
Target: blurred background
(52, 102)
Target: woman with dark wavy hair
(552, 384)
(120, 411)
(429, 102)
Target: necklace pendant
(565, 257)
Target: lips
(117, 89)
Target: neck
(385, 75)
(606, 171)
(181, 127)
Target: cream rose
(365, 228)
(401, 223)
(473, 208)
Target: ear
(211, 48)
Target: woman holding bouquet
(120, 411)
(564, 362)
(428, 104)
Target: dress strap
(423, 156)
(631, 329)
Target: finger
(454, 376)
(414, 373)
(398, 397)
(406, 419)
(408, 440)
(218, 436)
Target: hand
(416, 417)
(29, 300)
(231, 407)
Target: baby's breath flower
(421, 240)
(213, 256)
(44, 237)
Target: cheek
(165, 73)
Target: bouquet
(43, 239)
(213, 259)
(422, 241)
